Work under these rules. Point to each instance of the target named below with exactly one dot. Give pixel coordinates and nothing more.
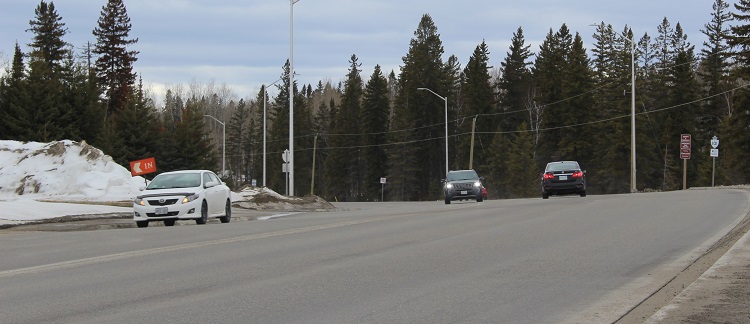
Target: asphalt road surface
(565, 259)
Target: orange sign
(142, 166)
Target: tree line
(557, 102)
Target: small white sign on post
(382, 187)
(714, 155)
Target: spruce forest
(507, 117)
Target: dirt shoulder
(713, 289)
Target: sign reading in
(685, 146)
(142, 166)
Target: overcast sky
(245, 43)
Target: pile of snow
(65, 178)
(36, 179)
(261, 198)
(63, 171)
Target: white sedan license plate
(160, 210)
(563, 178)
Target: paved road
(533, 260)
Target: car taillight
(549, 176)
(578, 174)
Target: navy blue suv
(462, 185)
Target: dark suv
(563, 177)
(462, 184)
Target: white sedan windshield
(175, 180)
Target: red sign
(685, 146)
(142, 166)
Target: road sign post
(685, 141)
(714, 155)
(382, 186)
(285, 169)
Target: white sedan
(188, 194)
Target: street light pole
(291, 96)
(223, 144)
(264, 129)
(632, 116)
(446, 124)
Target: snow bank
(62, 170)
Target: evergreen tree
(374, 125)
(515, 83)
(86, 104)
(735, 139)
(238, 159)
(278, 134)
(48, 114)
(344, 166)
(44, 111)
(574, 141)
(713, 71)
(137, 126)
(185, 142)
(14, 100)
(417, 161)
(714, 67)
(494, 180)
(612, 67)
(521, 177)
(303, 143)
(114, 66)
(551, 76)
(48, 45)
(478, 97)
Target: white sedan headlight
(190, 198)
(139, 201)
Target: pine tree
(478, 97)
(137, 126)
(612, 66)
(374, 125)
(575, 141)
(498, 166)
(114, 66)
(48, 45)
(735, 139)
(417, 161)
(14, 100)
(515, 83)
(48, 113)
(344, 165)
(521, 177)
(278, 134)
(238, 159)
(186, 141)
(714, 67)
(551, 75)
